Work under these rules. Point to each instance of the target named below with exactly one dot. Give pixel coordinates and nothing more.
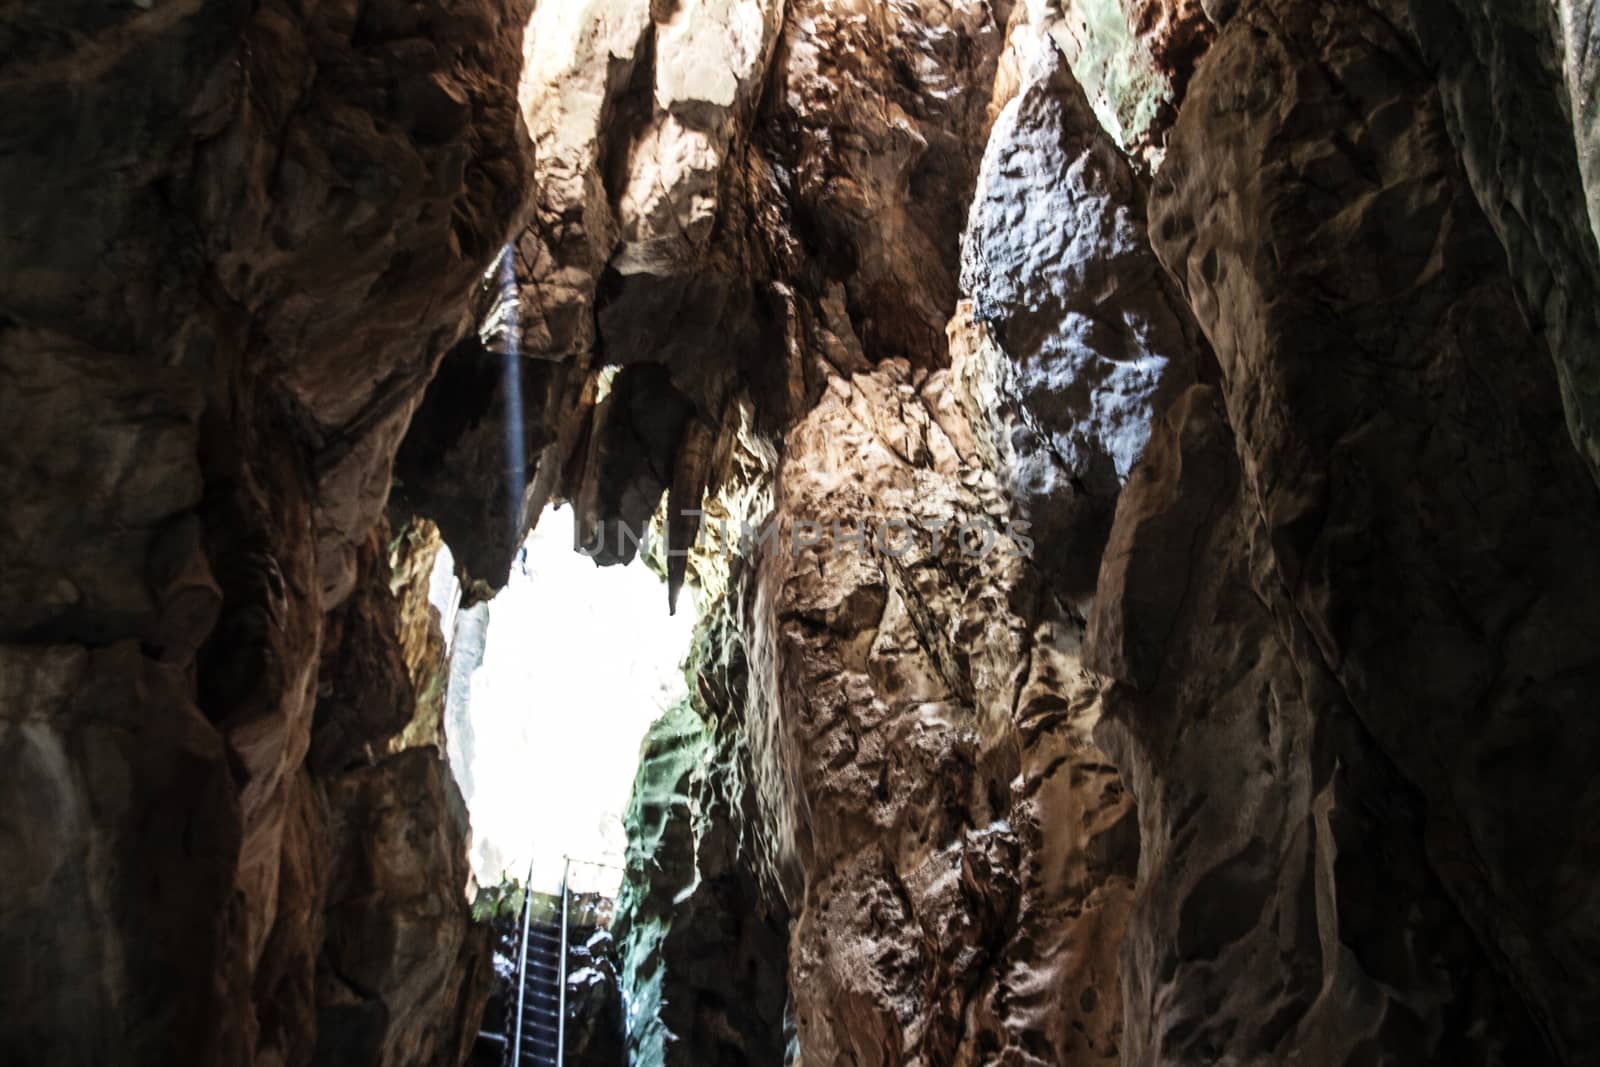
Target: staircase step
(542, 948)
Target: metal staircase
(539, 1030)
(535, 1025)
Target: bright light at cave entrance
(577, 662)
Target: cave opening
(553, 684)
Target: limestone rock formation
(237, 240)
(889, 730)
(1133, 57)
(1410, 494)
(1517, 92)
(413, 558)
(702, 947)
(924, 792)
(945, 803)
(1161, 616)
(79, 863)
(402, 976)
(1286, 904)
(1579, 34)
(1093, 336)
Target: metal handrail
(564, 946)
(561, 1011)
(522, 965)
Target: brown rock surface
(943, 803)
(1413, 532)
(402, 975)
(1287, 907)
(237, 239)
(831, 262)
(1175, 32)
(119, 847)
(881, 116)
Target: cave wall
(237, 240)
(1517, 85)
(946, 807)
(1423, 637)
(1323, 413)
(913, 734)
(1273, 323)
(702, 943)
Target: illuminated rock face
(962, 853)
(1092, 337)
(1310, 298)
(1273, 324)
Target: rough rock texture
(1512, 75)
(402, 976)
(1176, 33)
(401, 972)
(413, 559)
(1286, 907)
(702, 947)
(596, 1031)
(722, 187)
(1290, 707)
(237, 240)
(1580, 39)
(269, 271)
(882, 111)
(1395, 616)
(1094, 336)
(910, 767)
(1134, 58)
(927, 726)
(639, 118)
